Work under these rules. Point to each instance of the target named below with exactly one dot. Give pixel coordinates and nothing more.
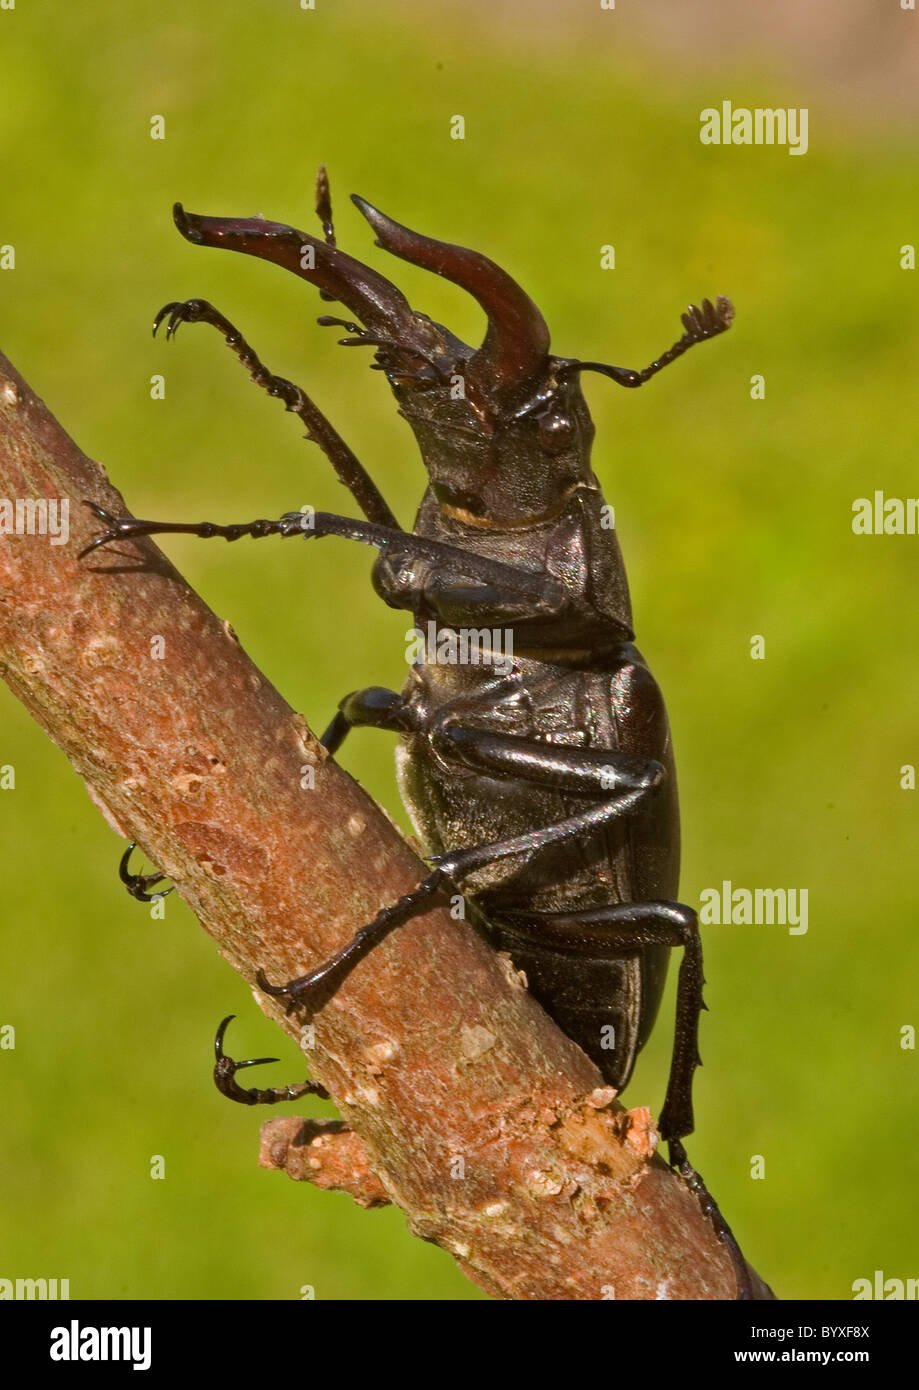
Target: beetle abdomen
(599, 1003)
(605, 999)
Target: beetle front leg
(535, 593)
(319, 429)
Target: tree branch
(472, 1111)
(325, 1153)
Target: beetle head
(504, 430)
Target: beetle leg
(626, 928)
(537, 594)
(585, 772)
(633, 779)
(139, 885)
(130, 527)
(350, 470)
(621, 928)
(225, 1069)
(314, 989)
(375, 708)
(696, 1185)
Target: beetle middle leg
(375, 708)
(630, 780)
(622, 928)
(225, 1069)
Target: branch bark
(469, 1109)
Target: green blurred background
(734, 517)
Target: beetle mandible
(539, 774)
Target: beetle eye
(555, 432)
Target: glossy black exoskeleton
(538, 771)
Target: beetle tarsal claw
(226, 1067)
(139, 885)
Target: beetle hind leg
(373, 708)
(694, 1181)
(624, 928)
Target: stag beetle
(540, 780)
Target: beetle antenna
(699, 323)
